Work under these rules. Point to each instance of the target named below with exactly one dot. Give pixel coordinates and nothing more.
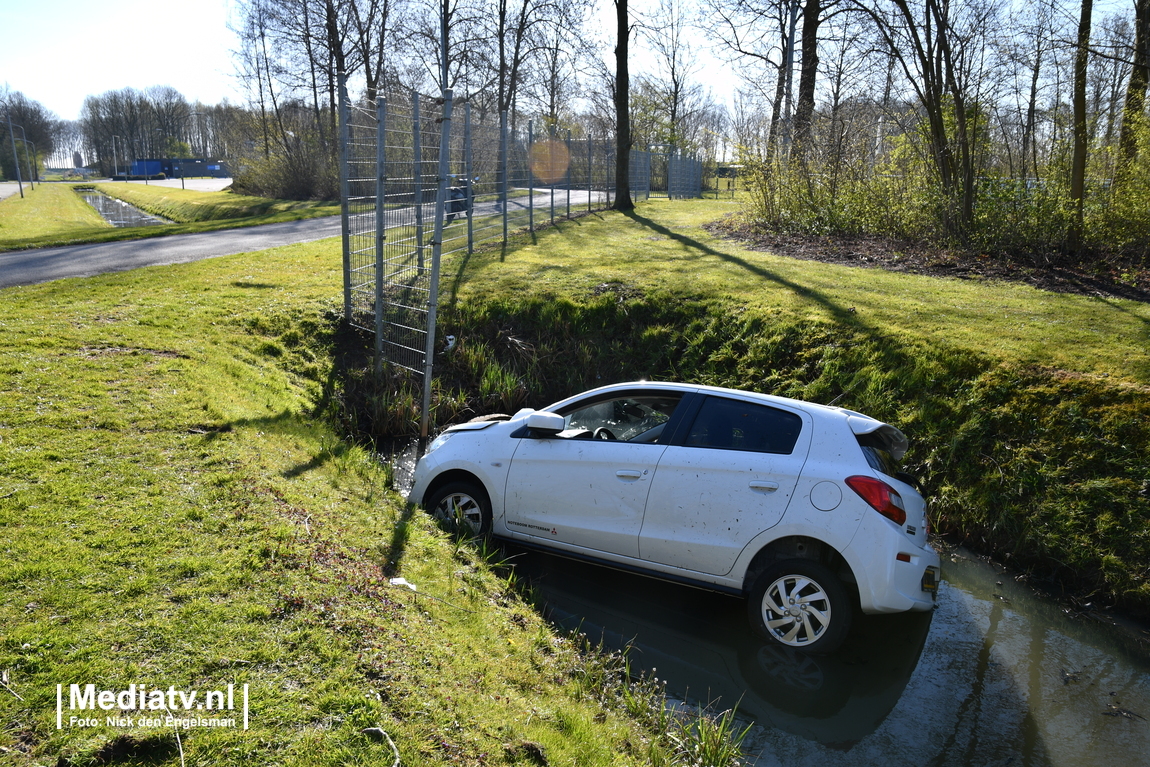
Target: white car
(796, 506)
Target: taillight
(882, 497)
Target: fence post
(380, 228)
(417, 177)
(344, 192)
(551, 169)
(610, 168)
(436, 250)
(530, 178)
(589, 171)
(468, 184)
(648, 195)
(568, 172)
(503, 164)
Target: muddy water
(117, 212)
(994, 676)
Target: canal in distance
(117, 212)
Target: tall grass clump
(681, 734)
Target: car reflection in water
(700, 644)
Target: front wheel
(463, 507)
(800, 604)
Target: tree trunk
(622, 112)
(1078, 162)
(812, 13)
(1028, 131)
(1134, 109)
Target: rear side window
(874, 447)
(735, 425)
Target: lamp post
(191, 115)
(115, 157)
(15, 160)
(32, 174)
(26, 160)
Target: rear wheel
(463, 507)
(800, 604)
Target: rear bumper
(894, 574)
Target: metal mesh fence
(391, 167)
(400, 192)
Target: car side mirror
(544, 423)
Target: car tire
(800, 604)
(463, 507)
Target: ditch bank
(1038, 469)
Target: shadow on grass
(1141, 367)
(844, 315)
(397, 547)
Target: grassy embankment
(174, 515)
(1028, 411)
(54, 215)
(173, 512)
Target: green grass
(663, 248)
(46, 211)
(54, 215)
(174, 512)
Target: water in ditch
(117, 212)
(994, 676)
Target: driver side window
(627, 419)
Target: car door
(730, 477)
(588, 485)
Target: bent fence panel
(497, 178)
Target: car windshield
(630, 419)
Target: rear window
(735, 425)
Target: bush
(302, 171)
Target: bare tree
(623, 141)
(561, 49)
(941, 51)
(760, 33)
(38, 126)
(667, 34)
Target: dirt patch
(1055, 272)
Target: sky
(58, 52)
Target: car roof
(662, 386)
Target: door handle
(628, 474)
(766, 487)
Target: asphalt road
(27, 267)
(9, 188)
